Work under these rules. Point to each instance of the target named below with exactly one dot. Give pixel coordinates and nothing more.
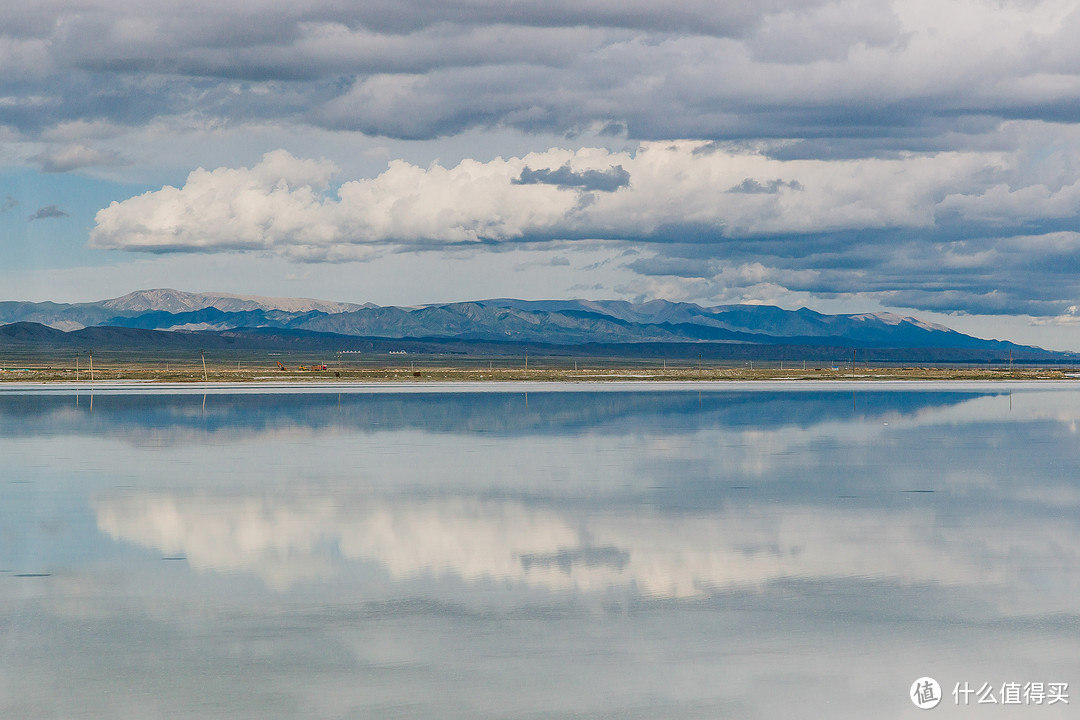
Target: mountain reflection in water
(718, 552)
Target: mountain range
(552, 322)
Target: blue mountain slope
(566, 322)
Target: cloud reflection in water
(743, 554)
(658, 554)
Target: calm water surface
(698, 553)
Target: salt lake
(539, 551)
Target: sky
(921, 157)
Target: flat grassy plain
(241, 367)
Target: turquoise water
(714, 551)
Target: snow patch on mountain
(890, 318)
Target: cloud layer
(910, 153)
(940, 231)
(830, 68)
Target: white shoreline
(149, 387)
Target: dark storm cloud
(1035, 275)
(48, 211)
(751, 186)
(684, 267)
(603, 180)
(134, 101)
(265, 38)
(420, 70)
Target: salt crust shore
(146, 387)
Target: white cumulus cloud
(277, 201)
(284, 204)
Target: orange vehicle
(281, 367)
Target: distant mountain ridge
(175, 301)
(554, 322)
